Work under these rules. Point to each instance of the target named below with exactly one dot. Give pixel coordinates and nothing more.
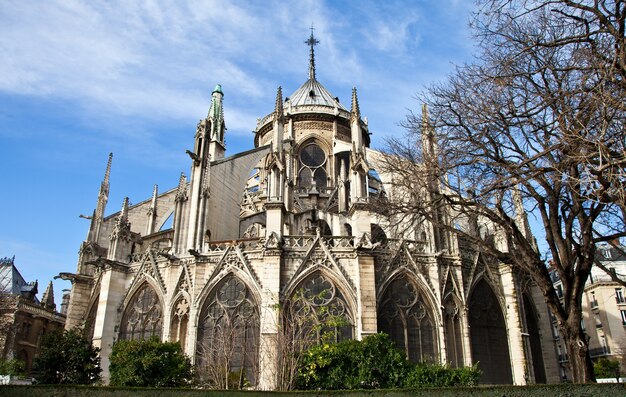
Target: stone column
(366, 316)
(270, 319)
(514, 327)
(112, 290)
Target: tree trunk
(577, 348)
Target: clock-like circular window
(312, 161)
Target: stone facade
(288, 219)
(23, 318)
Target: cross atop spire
(312, 41)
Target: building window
(559, 291)
(594, 301)
(228, 335)
(405, 316)
(318, 310)
(623, 314)
(312, 163)
(142, 318)
(619, 296)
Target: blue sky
(81, 79)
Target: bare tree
(228, 358)
(537, 125)
(305, 320)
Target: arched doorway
(488, 334)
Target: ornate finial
(355, 111)
(312, 41)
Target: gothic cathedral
(284, 227)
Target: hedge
(561, 390)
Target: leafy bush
(605, 368)
(149, 363)
(435, 375)
(374, 362)
(12, 367)
(67, 357)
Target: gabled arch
(406, 311)
(228, 334)
(420, 281)
(240, 269)
(142, 316)
(318, 306)
(453, 321)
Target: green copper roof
(218, 88)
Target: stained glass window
(405, 316)
(228, 335)
(319, 308)
(312, 162)
(143, 315)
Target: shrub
(149, 363)
(12, 367)
(605, 368)
(374, 362)
(436, 375)
(67, 357)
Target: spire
(107, 173)
(312, 41)
(152, 211)
(47, 300)
(181, 193)
(278, 108)
(216, 114)
(354, 110)
(279, 121)
(103, 195)
(124, 211)
(121, 236)
(155, 193)
(425, 117)
(355, 125)
(429, 144)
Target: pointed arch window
(488, 335)
(317, 310)
(180, 319)
(228, 336)
(312, 167)
(90, 322)
(405, 316)
(143, 315)
(453, 333)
